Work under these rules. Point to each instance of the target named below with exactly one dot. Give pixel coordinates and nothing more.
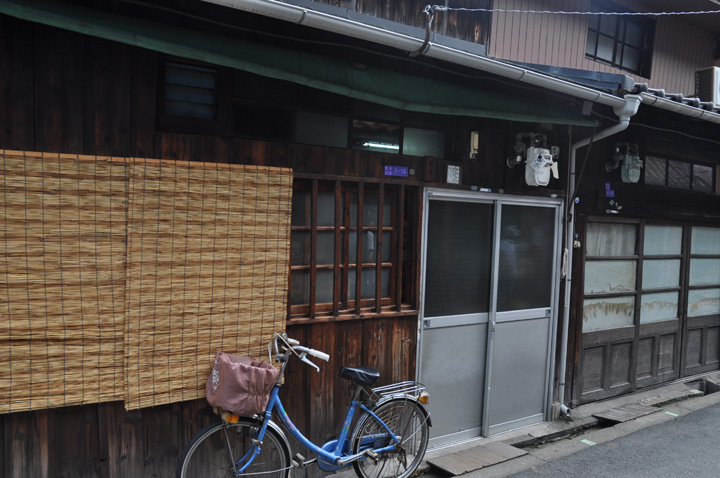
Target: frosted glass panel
(301, 211)
(660, 273)
(527, 235)
(300, 248)
(705, 240)
(325, 248)
(609, 276)
(324, 289)
(663, 240)
(605, 239)
(326, 209)
(679, 174)
(608, 313)
(703, 302)
(704, 271)
(367, 289)
(658, 306)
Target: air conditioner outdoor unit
(707, 85)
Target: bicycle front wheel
(220, 449)
(408, 422)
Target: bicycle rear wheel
(221, 448)
(408, 421)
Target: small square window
(423, 142)
(190, 91)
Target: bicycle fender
(391, 398)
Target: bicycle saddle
(360, 375)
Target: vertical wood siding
(98, 97)
(559, 40)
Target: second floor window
(622, 41)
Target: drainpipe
(624, 112)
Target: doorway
(488, 311)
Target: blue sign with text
(396, 171)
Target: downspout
(624, 112)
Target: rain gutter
(345, 26)
(363, 31)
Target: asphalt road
(687, 446)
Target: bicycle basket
(240, 384)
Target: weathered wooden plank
(627, 412)
(59, 90)
(476, 458)
(121, 440)
(143, 91)
(108, 98)
(16, 84)
(74, 442)
(161, 447)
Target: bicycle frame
(333, 455)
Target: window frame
(345, 262)
(640, 257)
(691, 163)
(619, 39)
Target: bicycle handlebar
(292, 345)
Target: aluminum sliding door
(488, 311)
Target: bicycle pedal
(300, 461)
(372, 455)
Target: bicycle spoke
(219, 450)
(408, 430)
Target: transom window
(678, 174)
(346, 248)
(624, 42)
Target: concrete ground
(550, 441)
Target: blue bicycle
(388, 440)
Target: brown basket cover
(239, 384)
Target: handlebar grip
(292, 341)
(320, 355)
(313, 352)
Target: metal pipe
(632, 103)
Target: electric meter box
(539, 165)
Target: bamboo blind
(208, 250)
(122, 277)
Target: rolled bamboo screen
(122, 277)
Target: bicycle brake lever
(307, 361)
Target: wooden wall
(107, 441)
(63, 92)
(613, 362)
(559, 40)
(67, 93)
